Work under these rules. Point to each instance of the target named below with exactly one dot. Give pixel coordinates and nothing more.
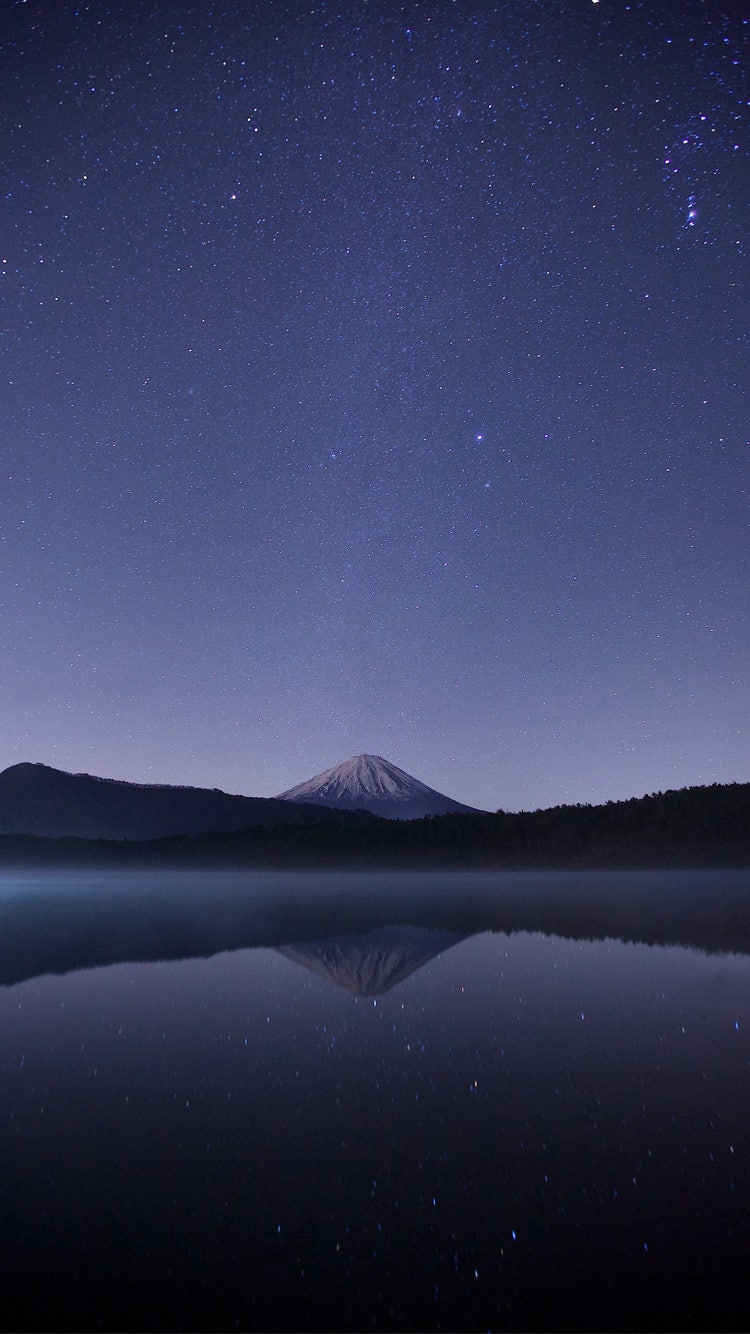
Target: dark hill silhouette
(700, 826)
(39, 800)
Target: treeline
(689, 826)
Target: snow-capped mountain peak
(361, 776)
(374, 784)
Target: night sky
(374, 378)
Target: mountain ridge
(38, 800)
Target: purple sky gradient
(374, 378)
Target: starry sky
(374, 378)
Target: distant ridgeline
(707, 826)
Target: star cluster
(375, 380)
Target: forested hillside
(690, 826)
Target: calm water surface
(398, 1126)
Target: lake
(448, 1102)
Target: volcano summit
(368, 782)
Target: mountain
(36, 799)
(371, 963)
(368, 782)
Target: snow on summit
(363, 775)
(371, 783)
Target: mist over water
(378, 1108)
(57, 922)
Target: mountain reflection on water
(515, 1131)
(372, 963)
(51, 924)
